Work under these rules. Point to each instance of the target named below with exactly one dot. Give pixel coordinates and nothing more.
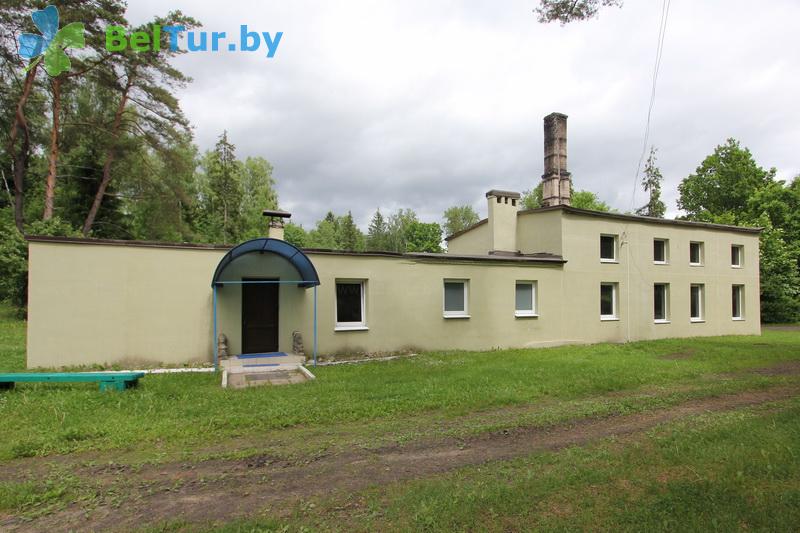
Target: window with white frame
(608, 301)
(456, 298)
(737, 302)
(696, 253)
(737, 255)
(697, 305)
(661, 302)
(608, 248)
(350, 304)
(525, 299)
(660, 251)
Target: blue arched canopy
(299, 260)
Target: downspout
(315, 325)
(216, 345)
(627, 285)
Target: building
(519, 278)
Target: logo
(196, 41)
(52, 43)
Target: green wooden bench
(107, 380)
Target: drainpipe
(216, 346)
(627, 285)
(315, 325)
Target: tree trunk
(50, 184)
(20, 157)
(111, 154)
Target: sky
(429, 104)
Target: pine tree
(224, 184)
(651, 183)
(349, 237)
(378, 236)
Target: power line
(662, 30)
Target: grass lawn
(12, 340)
(718, 471)
(729, 472)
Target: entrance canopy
(299, 260)
(307, 275)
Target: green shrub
(14, 255)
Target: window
(660, 251)
(455, 299)
(608, 301)
(608, 248)
(695, 253)
(350, 312)
(737, 302)
(737, 253)
(697, 305)
(525, 299)
(661, 302)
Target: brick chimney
(556, 179)
(503, 220)
(275, 230)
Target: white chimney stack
(503, 220)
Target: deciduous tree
(729, 187)
(723, 183)
(423, 237)
(458, 218)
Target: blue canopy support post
(216, 344)
(315, 325)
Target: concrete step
(263, 360)
(238, 377)
(242, 380)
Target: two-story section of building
(625, 277)
(630, 277)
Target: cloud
(427, 105)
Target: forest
(104, 150)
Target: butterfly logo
(52, 43)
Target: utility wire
(662, 30)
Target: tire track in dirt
(229, 489)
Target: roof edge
(643, 219)
(522, 258)
(530, 258)
(122, 242)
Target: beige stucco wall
(404, 305)
(92, 303)
(540, 233)
(96, 303)
(535, 233)
(478, 240)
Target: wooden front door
(259, 317)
